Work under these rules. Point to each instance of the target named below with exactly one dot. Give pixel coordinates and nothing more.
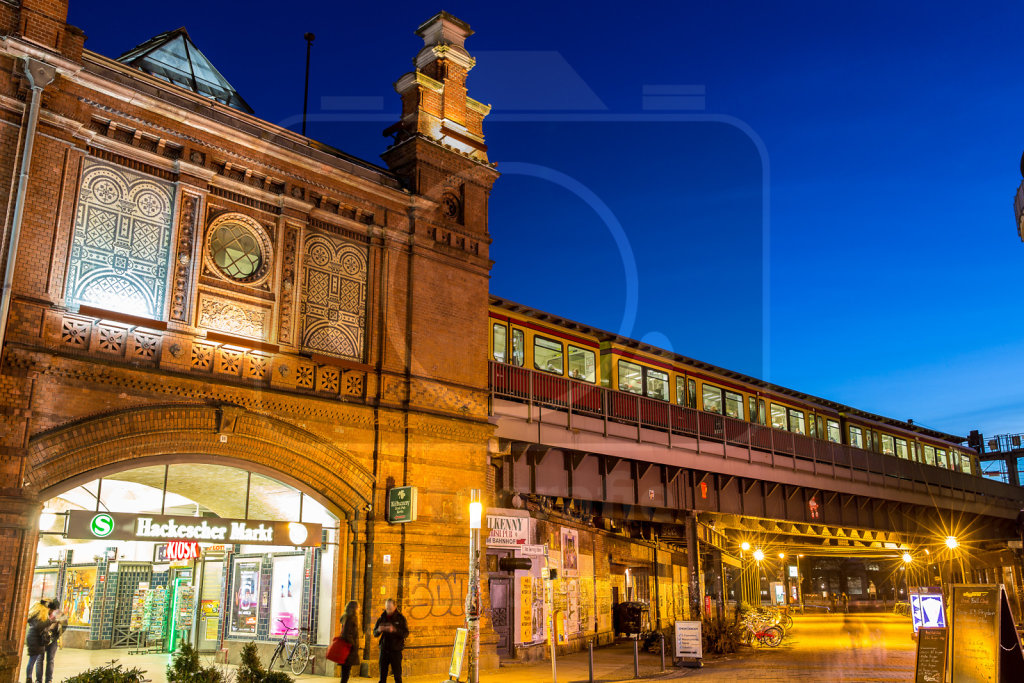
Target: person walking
(846, 602)
(57, 622)
(350, 634)
(392, 629)
(38, 621)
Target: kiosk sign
(118, 526)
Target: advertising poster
(526, 609)
(78, 595)
(572, 612)
(44, 584)
(245, 585)
(570, 552)
(286, 593)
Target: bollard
(662, 653)
(590, 645)
(636, 657)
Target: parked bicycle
(774, 615)
(760, 631)
(298, 657)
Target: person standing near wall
(350, 634)
(38, 621)
(392, 629)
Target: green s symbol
(102, 525)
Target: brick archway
(70, 455)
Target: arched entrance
(186, 464)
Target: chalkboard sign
(930, 666)
(975, 641)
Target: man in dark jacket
(392, 629)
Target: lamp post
(907, 559)
(951, 545)
(476, 511)
(758, 557)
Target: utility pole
(305, 96)
(473, 594)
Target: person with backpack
(57, 622)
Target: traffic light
(510, 564)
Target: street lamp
(907, 559)
(476, 511)
(758, 554)
(952, 544)
(744, 546)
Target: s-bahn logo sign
(101, 525)
(119, 526)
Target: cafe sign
(119, 526)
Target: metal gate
(129, 576)
(501, 614)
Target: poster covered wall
(245, 585)
(286, 593)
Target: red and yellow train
(598, 372)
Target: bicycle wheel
(772, 636)
(787, 621)
(300, 658)
(273, 658)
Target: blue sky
(885, 272)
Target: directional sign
(402, 504)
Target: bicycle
(298, 658)
(762, 632)
(775, 616)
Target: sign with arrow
(401, 504)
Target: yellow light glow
(782, 556)
(744, 546)
(476, 513)
(907, 558)
(758, 555)
(951, 542)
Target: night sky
(816, 193)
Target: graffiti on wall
(436, 594)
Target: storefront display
(155, 613)
(245, 587)
(286, 593)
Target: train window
(856, 437)
(547, 355)
(835, 435)
(872, 440)
(762, 414)
(499, 341)
(631, 377)
(752, 408)
(657, 384)
(817, 425)
(518, 347)
(965, 463)
(691, 393)
(733, 405)
(680, 390)
(796, 421)
(901, 449)
(582, 364)
(929, 455)
(940, 458)
(778, 416)
(711, 398)
(888, 447)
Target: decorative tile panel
(327, 379)
(333, 310)
(121, 244)
(233, 317)
(286, 315)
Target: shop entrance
(213, 555)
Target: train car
(540, 357)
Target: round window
(236, 251)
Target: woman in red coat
(350, 634)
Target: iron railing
(581, 398)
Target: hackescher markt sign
(119, 526)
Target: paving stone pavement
(835, 648)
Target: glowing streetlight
(476, 513)
(907, 558)
(782, 556)
(951, 542)
(758, 554)
(46, 519)
(744, 546)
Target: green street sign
(402, 505)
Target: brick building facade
(190, 284)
